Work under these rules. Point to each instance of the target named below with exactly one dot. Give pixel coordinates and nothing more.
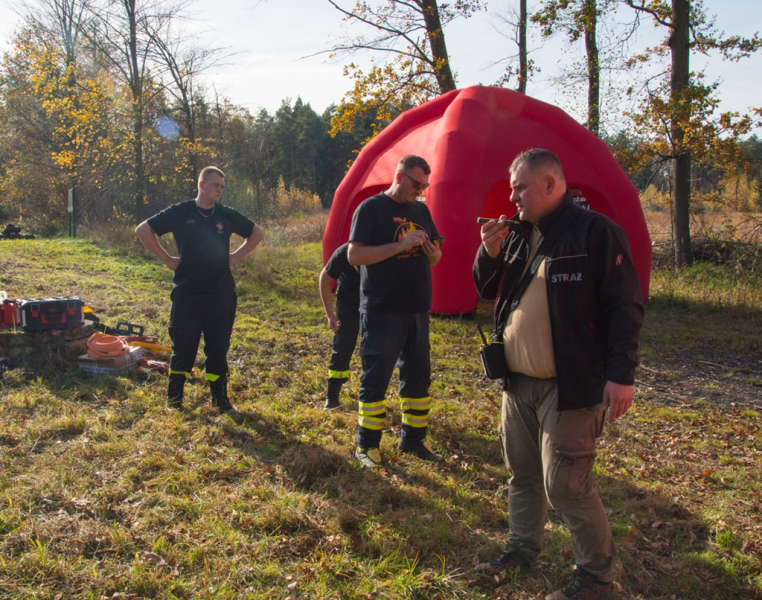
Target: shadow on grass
(413, 509)
(663, 546)
(447, 512)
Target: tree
(518, 22)
(680, 115)
(411, 34)
(180, 61)
(56, 119)
(523, 65)
(63, 20)
(124, 35)
(580, 19)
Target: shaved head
(538, 160)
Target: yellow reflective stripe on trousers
(369, 412)
(373, 423)
(187, 375)
(415, 420)
(212, 377)
(415, 403)
(338, 374)
(372, 408)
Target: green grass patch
(106, 494)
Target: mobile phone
(487, 220)
(440, 239)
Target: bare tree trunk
(679, 44)
(590, 16)
(136, 88)
(125, 34)
(434, 31)
(523, 64)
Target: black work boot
(334, 389)
(175, 391)
(220, 399)
(510, 559)
(584, 586)
(420, 448)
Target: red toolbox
(8, 313)
(44, 314)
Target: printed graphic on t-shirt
(220, 227)
(405, 228)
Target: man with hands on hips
(568, 312)
(203, 298)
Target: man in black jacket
(568, 311)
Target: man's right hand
(493, 233)
(172, 263)
(333, 323)
(414, 238)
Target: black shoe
(332, 396)
(584, 586)
(420, 448)
(220, 398)
(175, 392)
(509, 560)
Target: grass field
(104, 493)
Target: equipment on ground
(13, 232)
(122, 328)
(45, 314)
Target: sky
(274, 47)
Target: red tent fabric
(470, 137)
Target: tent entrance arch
(470, 137)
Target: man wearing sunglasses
(392, 240)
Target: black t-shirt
(401, 283)
(203, 240)
(338, 267)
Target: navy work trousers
(345, 339)
(390, 339)
(211, 314)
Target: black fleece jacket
(594, 297)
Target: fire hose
(101, 345)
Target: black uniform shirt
(338, 267)
(203, 240)
(401, 283)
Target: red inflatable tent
(470, 137)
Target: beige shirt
(527, 337)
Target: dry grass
(106, 494)
(736, 224)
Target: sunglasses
(417, 185)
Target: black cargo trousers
(209, 313)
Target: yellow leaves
(284, 201)
(66, 159)
(383, 92)
(412, 75)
